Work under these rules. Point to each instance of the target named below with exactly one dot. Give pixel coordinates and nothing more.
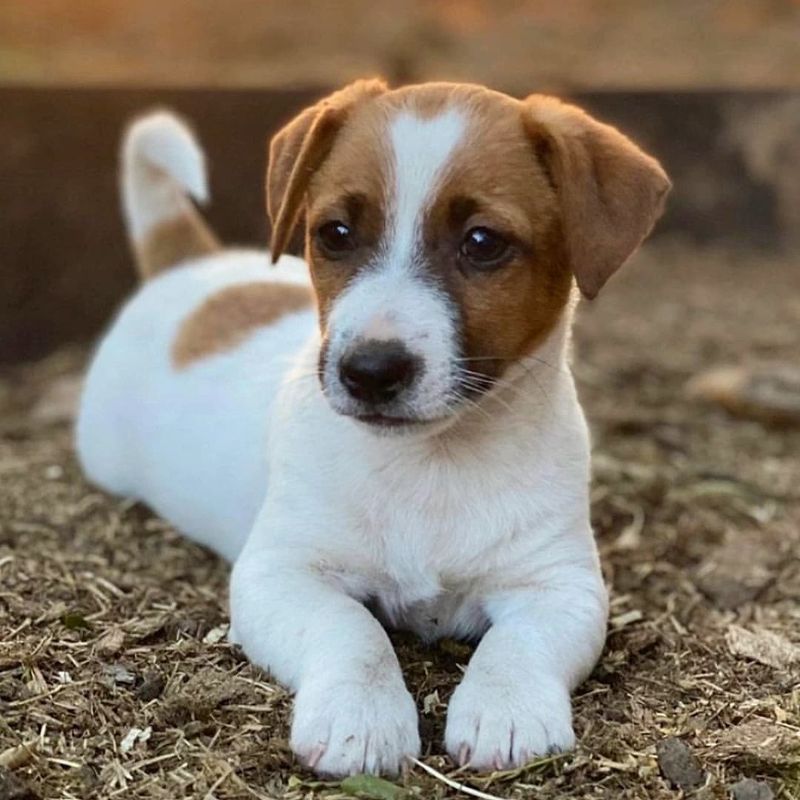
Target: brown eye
(335, 237)
(484, 247)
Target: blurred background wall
(712, 87)
(517, 44)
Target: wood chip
(762, 646)
(216, 634)
(762, 740)
(19, 756)
(134, 736)
(766, 392)
(111, 641)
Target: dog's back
(167, 371)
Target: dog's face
(445, 224)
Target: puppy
(397, 442)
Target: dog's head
(445, 225)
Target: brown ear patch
(227, 318)
(611, 193)
(315, 146)
(297, 151)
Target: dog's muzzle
(377, 373)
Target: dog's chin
(397, 425)
(386, 425)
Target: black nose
(377, 371)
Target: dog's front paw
(351, 727)
(492, 725)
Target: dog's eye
(484, 247)
(335, 237)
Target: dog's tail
(162, 170)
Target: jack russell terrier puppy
(396, 442)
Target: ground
(114, 670)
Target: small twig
(459, 787)
(246, 786)
(217, 783)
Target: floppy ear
(611, 193)
(298, 150)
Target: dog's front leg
(514, 701)
(352, 711)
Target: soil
(116, 679)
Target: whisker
(479, 381)
(485, 384)
(520, 361)
(486, 394)
(462, 399)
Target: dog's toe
(491, 726)
(350, 728)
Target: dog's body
(141, 433)
(217, 399)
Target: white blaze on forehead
(421, 149)
(390, 299)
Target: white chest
(424, 553)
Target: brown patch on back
(227, 318)
(173, 241)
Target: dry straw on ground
(116, 679)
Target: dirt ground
(116, 680)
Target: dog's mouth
(464, 390)
(466, 395)
(385, 421)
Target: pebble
(736, 572)
(119, 674)
(151, 687)
(679, 765)
(749, 789)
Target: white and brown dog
(398, 441)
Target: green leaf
(75, 621)
(369, 787)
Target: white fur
(161, 162)
(479, 530)
(421, 149)
(139, 429)
(393, 299)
